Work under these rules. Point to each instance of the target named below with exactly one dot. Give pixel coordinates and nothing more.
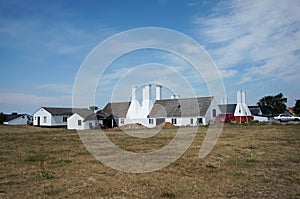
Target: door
(38, 121)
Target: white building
(183, 111)
(242, 114)
(178, 111)
(17, 119)
(83, 119)
(51, 116)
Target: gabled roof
(115, 109)
(14, 116)
(255, 110)
(85, 113)
(183, 107)
(68, 111)
(90, 117)
(227, 108)
(59, 111)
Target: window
(214, 112)
(122, 121)
(174, 121)
(65, 119)
(192, 121)
(79, 122)
(150, 121)
(45, 119)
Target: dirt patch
(166, 125)
(131, 126)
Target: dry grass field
(249, 161)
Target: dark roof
(83, 112)
(183, 107)
(90, 117)
(59, 111)
(255, 110)
(227, 108)
(14, 116)
(115, 110)
(86, 113)
(68, 111)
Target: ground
(248, 161)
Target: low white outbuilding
(17, 119)
(82, 120)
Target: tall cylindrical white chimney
(158, 92)
(133, 93)
(239, 97)
(243, 97)
(147, 92)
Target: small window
(45, 119)
(192, 121)
(174, 121)
(79, 122)
(122, 121)
(65, 119)
(150, 121)
(214, 112)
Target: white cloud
(260, 34)
(228, 73)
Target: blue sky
(255, 45)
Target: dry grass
(249, 161)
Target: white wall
(73, 123)
(42, 113)
(56, 120)
(186, 121)
(143, 121)
(262, 119)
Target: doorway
(38, 121)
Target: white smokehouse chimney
(146, 104)
(158, 92)
(243, 97)
(133, 93)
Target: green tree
(272, 105)
(2, 118)
(297, 107)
